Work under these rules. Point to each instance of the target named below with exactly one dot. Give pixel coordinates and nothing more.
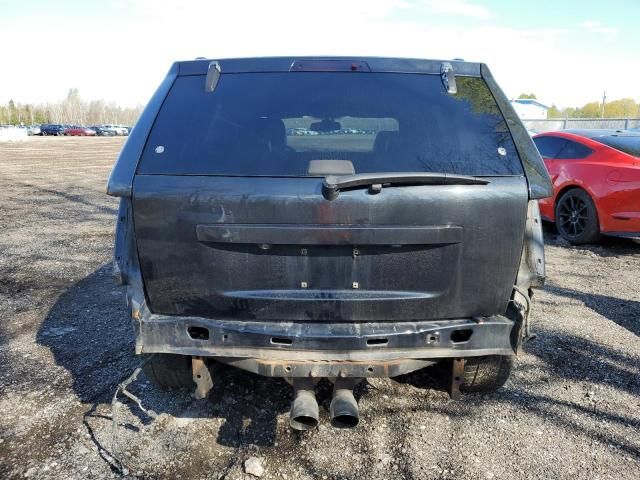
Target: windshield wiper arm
(334, 183)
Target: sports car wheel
(577, 217)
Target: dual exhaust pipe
(305, 413)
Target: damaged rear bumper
(303, 349)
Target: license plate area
(428, 269)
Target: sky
(566, 52)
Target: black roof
(601, 132)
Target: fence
(546, 125)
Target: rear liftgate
(266, 272)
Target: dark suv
(52, 129)
(336, 218)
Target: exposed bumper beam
(324, 342)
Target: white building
(528, 108)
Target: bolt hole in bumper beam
(304, 349)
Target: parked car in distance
(596, 183)
(108, 130)
(118, 129)
(79, 131)
(341, 257)
(33, 129)
(52, 129)
(103, 131)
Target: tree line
(72, 110)
(622, 108)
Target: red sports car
(596, 183)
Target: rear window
(627, 144)
(274, 124)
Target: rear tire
(170, 371)
(486, 374)
(577, 217)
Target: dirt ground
(570, 410)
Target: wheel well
(578, 187)
(562, 192)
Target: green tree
(531, 96)
(590, 110)
(623, 108)
(12, 111)
(40, 116)
(554, 112)
(27, 116)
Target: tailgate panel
(274, 249)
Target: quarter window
(574, 150)
(549, 147)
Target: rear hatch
(246, 205)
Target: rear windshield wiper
(333, 184)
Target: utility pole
(604, 99)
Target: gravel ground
(570, 410)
